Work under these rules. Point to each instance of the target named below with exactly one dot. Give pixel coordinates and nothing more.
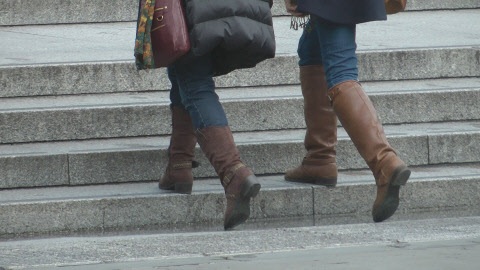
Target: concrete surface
(438, 243)
(86, 42)
(75, 59)
(141, 206)
(70, 59)
(75, 117)
(143, 158)
(83, 11)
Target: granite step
(401, 243)
(141, 206)
(91, 11)
(122, 160)
(97, 116)
(84, 135)
(68, 59)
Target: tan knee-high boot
(178, 174)
(359, 118)
(239, 182)
(319, 165)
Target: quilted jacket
(238, 34)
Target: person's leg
(338, 46)
(319, 164)
(359, 118)
(197, 90)
(181, 151)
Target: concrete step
(267, 152)
(140, 206)
(68, 59)
(91, 11)
(96, 116)
(433, 243)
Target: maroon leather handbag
(169, 33)
(395, 6)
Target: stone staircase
(83, 135)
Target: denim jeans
(331, 45)
(193, 88)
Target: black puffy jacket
(238, 33)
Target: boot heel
(251, 187)
(184, 188)
(400, 176)
(328, 182)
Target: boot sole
(390, 204)
(328, 182)
(241, 213)
(182, 188)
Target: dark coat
(345, 11)
(239, 34)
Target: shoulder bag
(162, 33)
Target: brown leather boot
(359, 118)
(239, 182)
(319, 165)
(178, 174)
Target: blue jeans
(193, 89)
(331, 45)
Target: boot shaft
(183, 139)
(218, 145)
(359, 118)
(320, 119)
(178, 174)
(239, 182)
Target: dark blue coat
(345, 11)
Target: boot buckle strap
(183, 165)
(231, 173)
(331, 94)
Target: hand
(292, 9)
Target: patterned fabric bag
(143, 44)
